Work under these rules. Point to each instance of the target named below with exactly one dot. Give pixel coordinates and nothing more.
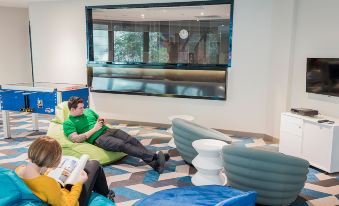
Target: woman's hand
(82, 178)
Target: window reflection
(172, 49)
(182, 34)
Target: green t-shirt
(83, 123)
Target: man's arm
(75, 137)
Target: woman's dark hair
(74, 101)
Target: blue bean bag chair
(15, 192)
(210, 195)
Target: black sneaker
(154, 164)
(161, 162)
(167, 156)
(111, 195)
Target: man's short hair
(45, 152)
(74, 101)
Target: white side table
(208, 162)
(181, 116)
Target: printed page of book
(64, 169)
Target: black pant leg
(100, 185)
(128, 138)
(133, 141)
(119, 141)
(96, 177)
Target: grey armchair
(185, 132)
(277, 178)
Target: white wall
(59, 52)
(282, 44)
(15, 62)
(317, 33)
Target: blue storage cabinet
(41, 100)
(37, 98)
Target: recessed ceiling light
(143, 16)
(202, 13)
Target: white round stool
(180, 116)
(208, 162)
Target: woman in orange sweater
(44, 153)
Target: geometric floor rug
(132, 180)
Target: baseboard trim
(146, 124)
(266, 137)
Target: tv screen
(322, 76)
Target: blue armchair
(185, 132)
(277, 178)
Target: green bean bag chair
(55, 130)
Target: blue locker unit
(41, 98)
(12, 100)
(43, 102)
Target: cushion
(14, 191)
(77, 149)
(211, 195)
(99, 200)
(61, 113)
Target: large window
(160, 46)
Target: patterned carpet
(131, 179)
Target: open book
(69, 169)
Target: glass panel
(100, 42)
(194, 83)
(166, 35)
(172, 49)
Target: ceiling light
(202, 14)
(143, 16)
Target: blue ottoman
(212, 195)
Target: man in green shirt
(86, 125)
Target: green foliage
(158, 53)
(128, 46)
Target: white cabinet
(304, 137)
(291, 136)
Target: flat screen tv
(322, 76)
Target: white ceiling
(202, 12)
(20, 3)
